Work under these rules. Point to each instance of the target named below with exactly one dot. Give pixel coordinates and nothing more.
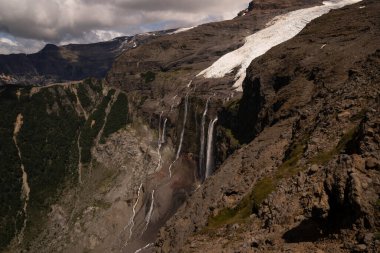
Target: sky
(27, 25)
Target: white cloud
(13, 45)
(8, 42)
(58, 21)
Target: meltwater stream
(184, 126)
(131, 222)
(149, 215)
(159, 143)
(163, 136)
(182, 133)
(210, 148)
(202, 147)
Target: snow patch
(279, 30)
(182, 30)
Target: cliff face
(308, 177)
(160, 74)
(158, 158)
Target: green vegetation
(83, 96)
(248, 205)
(49, 152)
(251, 202)
(10, 171)
(48, 145)
(92, 127)
(324, 157)
(102, 204)
(118, 116)
(148, 76)
(233, 106)
(95, 85)
(290, 166)
(235, 144)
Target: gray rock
(313, 169)
(372, 164)
(360, 248)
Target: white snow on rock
(279, 30)
(182, 30)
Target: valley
(255, 134)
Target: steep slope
(308, 179)
(67, 63)
(48, 137)
(148, 139)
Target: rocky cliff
(166, 155)
(308, 178)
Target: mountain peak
(50, 48)
(245, 11)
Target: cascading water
(131, 222)
(145, 247)
(184, 125)
(159, 143)
(163, 136)
(149, 215)
(210, 148)
(202, 147)
(159, 129)
(182, 134)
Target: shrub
(118, 116)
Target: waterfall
(159, 130)
(149, 215)
(159, 143)
(210, 148)
(182, 134)
(202, 147)
(184, 125)
(145, 247)
(131, 222)
(163, 136)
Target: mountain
(309, 172)
(56, 64)
(256, 134)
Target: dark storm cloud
(63, 21)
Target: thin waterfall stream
(202, 142)
(210, 161)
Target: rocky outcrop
(305, 179)
(296, 155)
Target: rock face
(296, 154)
(308, 177)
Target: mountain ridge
(160, 159)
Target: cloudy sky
(27, 25)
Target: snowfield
(279, 30)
